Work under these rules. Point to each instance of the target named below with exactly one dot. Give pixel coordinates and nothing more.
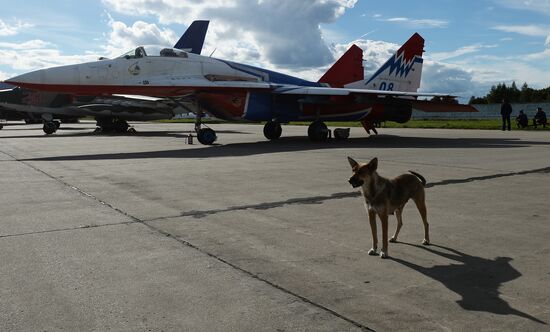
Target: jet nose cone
(35, 77)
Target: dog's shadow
(477, 280)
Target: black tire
(317, 131)
(106, 124)
(206, 136)
(49, 127)
(272, 130)
(57, 124)
(121, 126)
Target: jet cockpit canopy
(153, 50)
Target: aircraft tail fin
(348, 69)
(402, 72)
(193, 38)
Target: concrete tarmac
(147, 233)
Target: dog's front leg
(384, 219)
(372, 221)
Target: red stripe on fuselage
(146, 90)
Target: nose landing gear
(206, 136)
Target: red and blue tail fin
(193, 38)
(402, 72)
(348, 69)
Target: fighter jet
(111, 112)
(234, 91)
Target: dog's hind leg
(372, 221)
(399, 216)
(421, 205)
(384, 220)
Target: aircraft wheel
(121, 126)
(49, 127)
(57, 124)
(206, 136)
(317, 131)
(106, 124)
(272, 130)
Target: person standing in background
(505, 112)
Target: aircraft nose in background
(35, 77)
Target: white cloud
(123, 38)
(7, 29)
(28, 45)
(418, 23)
(539, 6)
(528, 30)
(37, 54)
(285, 33)
(447, 78)
(459, 52)
(5, 76)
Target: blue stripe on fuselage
(270, 76)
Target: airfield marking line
(188, 244)
(67, 229)
(259, 278)
(198, 214)
(487, 177)
(261, 206)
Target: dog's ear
(353, 163)
(373, 164)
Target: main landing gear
(272, 130)
(318, 131)
(205, 136)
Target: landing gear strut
(121, 126)
(205, 136)
(272, 130)
(318, 131)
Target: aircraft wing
(422, 105)
(325, 91)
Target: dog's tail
(420, 177)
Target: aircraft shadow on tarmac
(475, 279)
(179, 134)
(293, 144)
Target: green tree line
(513, 94)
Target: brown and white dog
(384, 197)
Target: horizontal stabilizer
(439, 107)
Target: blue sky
(470, 45)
